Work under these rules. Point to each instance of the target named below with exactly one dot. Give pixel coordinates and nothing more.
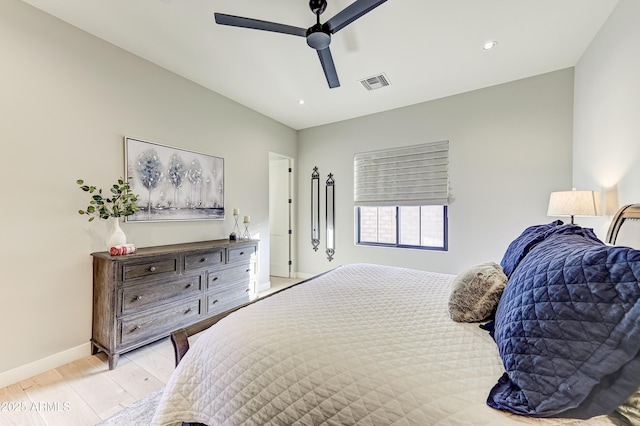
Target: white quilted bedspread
(361, 345)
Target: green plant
(121, 202)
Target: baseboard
(264, 286)
(34, 368)
(304, 276)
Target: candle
(246, 219)
(236, 212)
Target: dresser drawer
(204, 259)
(142, 296)
(158, 322)
(218, 302)
(221, 278)
(152, 268)
(241, 254)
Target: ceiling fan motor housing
(317, 6)
(318, 37)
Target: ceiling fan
(318, 36)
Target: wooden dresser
(142, 297)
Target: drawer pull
(248, 270)
(241, 253)
(187, 311)
(214, 302)
(189, 285)
(137, 298)
(247, 290)
(152, 269)
(214, 279)
(204, 259)
(136, 328)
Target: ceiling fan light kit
(318, 36)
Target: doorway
(280, 215)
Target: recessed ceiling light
(490, 45)
(301, 101)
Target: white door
(280, 216)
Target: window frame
(445, 232)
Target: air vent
(375, 82)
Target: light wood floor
(86, 392)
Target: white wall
(606, 146)
(510, 146)
(67, 99)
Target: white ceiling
(428, 49)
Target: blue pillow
(522, 245)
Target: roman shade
(416, 175)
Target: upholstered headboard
(625, 227)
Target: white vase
(116, 236)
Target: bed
(367, 344)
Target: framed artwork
(173, 183)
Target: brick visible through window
(403, 226)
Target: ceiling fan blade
(256, 24)
(329, 68)
(350, 13)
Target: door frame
(290, 211)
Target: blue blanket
(568, 328)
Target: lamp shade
(574, 203)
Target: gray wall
(606, 145)
(67, 100)
(510, 146)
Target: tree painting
(150, 172)
(194, 174)
(180, 184)
(176, 173)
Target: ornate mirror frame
(330, 221)
(315, 209)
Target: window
(403, 226)
(401, 196)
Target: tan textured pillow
(630, 409)
(476, 292)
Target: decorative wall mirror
(315, 209)
(330, 205)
